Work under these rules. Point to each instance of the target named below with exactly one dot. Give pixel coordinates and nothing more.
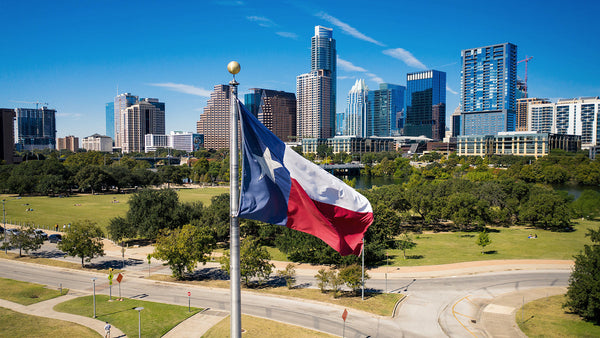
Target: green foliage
(546, 208)
(405, 243)
(83, 240)
(322, 278)
(583, 294)
(216, 217)
(587, 205)
(289, 275)
(183, 248)
(483, 240)
(352, 277)
(254, 261)
(26, 240)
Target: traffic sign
(189, 294)
(345, 315)
(119, 278)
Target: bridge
(346, 169)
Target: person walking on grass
(107, 330)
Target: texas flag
(279, 186)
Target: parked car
(41, 234)
(55, 238)
(12, 232)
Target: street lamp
(139, 310)
(94, 282)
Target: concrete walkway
(46, 309)
(499, 317)
(197, 325)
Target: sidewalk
(46, 309)
(197, 325)
(498, 318)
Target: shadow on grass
(490, 252)
(415, 256)
(114, 263)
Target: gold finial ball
(233, 67)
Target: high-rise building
(386, 109)
(36, 128)
(357, 119)
(276, 110)
(144, 117)
(68, 143)
(523, 112)
(426, 104)
(488, 89)
(97, 142)
(455, 130)
(214, 121)
(316, 91)
(122, 102)
(7, 135)
(110, 119)
(578, 116)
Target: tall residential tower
(488, 89)
(315, 91)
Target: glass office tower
(426, 104)
(386, 107)
(489, 89)
(110, 119)
(36, 128)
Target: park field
(46, 211)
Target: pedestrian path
(499, 317)
(46, 309)
(197, 325)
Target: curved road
(434, 307)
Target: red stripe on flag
(340, 228)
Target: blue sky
(75, 54)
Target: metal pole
(236, 302)
(140, 323)
(363, 272)
(4, 221)
(94, 281)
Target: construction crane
(526, 60)
(37, 103)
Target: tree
(483, 240)
(587, 205)
(183, 248)
(26, 240)
(322, 278)
(352, 277)
(289, 275)
(405, 243)
(83, 240)
(583, 294)
(254, 261)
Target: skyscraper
(522, 117)
(315, 91)
(356, 120)
(110, 119)
(139, 119)
(386, 106)
(214, 121)
(122, 101)
(276, 110)
(488, 89)
(7, 135)
(69, 143)
(36, 128)
(426, 104)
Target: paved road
(435, 307)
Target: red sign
(345, 314)
(119, 278)
(189, 294)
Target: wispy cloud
(347, 28)
(346, 77)
(183, 88)
(348, 66)
(229, 3)
(375, 78)
(405, 56)
(451, 91)
(262, 21)
(74, 116)
(287, 35)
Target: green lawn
(157, 318)
(259, 327)
(507, 243)
(48, 211)
(26, 293)
(15, 324)
(546, 318)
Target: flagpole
(236, 300)
(362, 278)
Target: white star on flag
(268, 165)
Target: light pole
(94, 296)
(139, 310)
(4, 222)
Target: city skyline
(75, 56)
